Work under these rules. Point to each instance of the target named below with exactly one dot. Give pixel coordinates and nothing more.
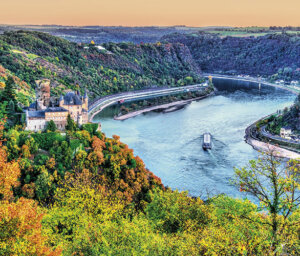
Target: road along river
(171, 144)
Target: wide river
(171, 144)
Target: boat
(206, 141)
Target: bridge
(99, 104)
(254, 80)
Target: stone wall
(36, 124)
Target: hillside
(82, 193)
(119, 67)
(272, 54)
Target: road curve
(99, 104)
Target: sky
(196, 13)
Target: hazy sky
(151, 12)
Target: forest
(30, 56)
(82, 193)
(274, 56)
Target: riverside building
(44, 109)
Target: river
(171, 144)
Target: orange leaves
(20, 229)
(97, 144)
(116, 138)
(96, 157)
(9, 174)
(50, 163)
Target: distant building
(39, 113)
(294, 82)
(286, 132)
(99, 47)
(279, 82)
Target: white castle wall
(36, 124)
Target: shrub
(91, 128)
(46, 140)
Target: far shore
(159, 107)
(254, 80)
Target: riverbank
(164, 107)
(254, 80)
(267, 147)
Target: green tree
(11, 107)
(51, 126)
(9, 91)
(71, 126)
(188, 80)
(43, 184)
(276, 185)
(3, 112)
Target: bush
(51, 126)
(46, 140)
(91, 128)
(74, 144)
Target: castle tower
(85, 102)
(42, 93)
(61, 101)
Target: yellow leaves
(20, 228)
(25, 151)
(50, 163)
(9, 174)
(80, 193)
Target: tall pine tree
(9, 91)
(71, 125)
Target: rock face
(43, 94)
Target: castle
(45, 108)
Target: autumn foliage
(21, 230)
(87, 194)
(9, 171)
(20, 222)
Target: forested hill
(118, 67)
(267, 55)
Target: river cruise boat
(206, 141)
